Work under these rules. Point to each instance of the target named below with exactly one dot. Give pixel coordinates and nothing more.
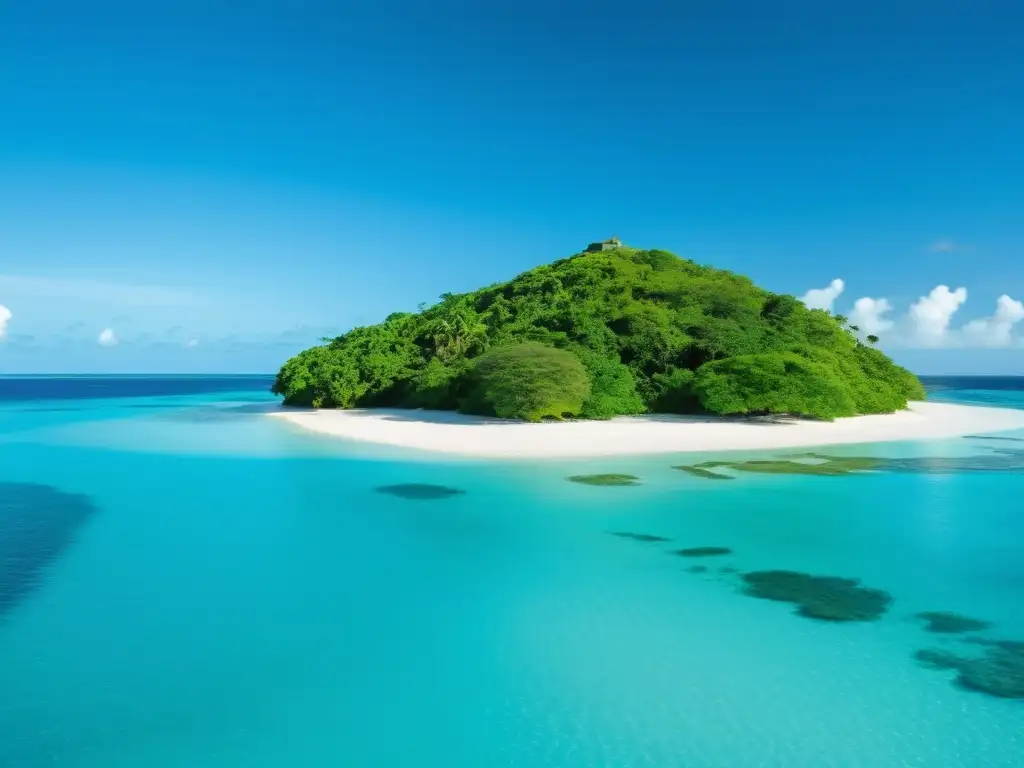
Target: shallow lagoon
(245, 594)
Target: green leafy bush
(653, 332)
(528, 381)
(773, 383)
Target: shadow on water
(37, 524)
(423, 416)
(419, 491)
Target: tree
(456, 335)
(783, 383)
(872, 339)
(528, 381)
(641, 323)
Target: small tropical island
(613, 332)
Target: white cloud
(192, 343)
(930, 315)
(107, 338)
(928, 322)
(944, 246)
(995, 331)
(824, 298)
(869, 315)
(5, 317)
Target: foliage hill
(652, 332)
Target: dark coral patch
(947, 622)
(828, 598)
(936, 658)
(999, 672)
(703, 552)
(697, 569)
(424, 491)
(37, 524)
(1015, 646)
(609, 478)
(647, 537)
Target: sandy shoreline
(452, 433)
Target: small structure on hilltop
(605, 245)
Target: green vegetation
(600, 334)
(527, 381)
(609, 478)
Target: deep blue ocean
(187, 583)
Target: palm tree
(872, 339)
(456, 336)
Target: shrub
(528, 381)
(783, 383)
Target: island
(640, 350)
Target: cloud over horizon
(928, 322)
(107, 338)
(5, 317)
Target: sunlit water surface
(186, 582)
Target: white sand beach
(452, 433)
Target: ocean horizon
(186, 582)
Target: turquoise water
(199, 585)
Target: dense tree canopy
(528, 381)
(648, 330)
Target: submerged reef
(700, 471)
(703, 552)
(829, 598)
(419, 491)
(1009, 460)
(947, 622)
(646, 537)
(998, 672)
(37, 525)
(937, 658)
(610, 478)
(697, 569)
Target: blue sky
(218, 188)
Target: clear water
(236, 593)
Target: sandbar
(457, 434)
